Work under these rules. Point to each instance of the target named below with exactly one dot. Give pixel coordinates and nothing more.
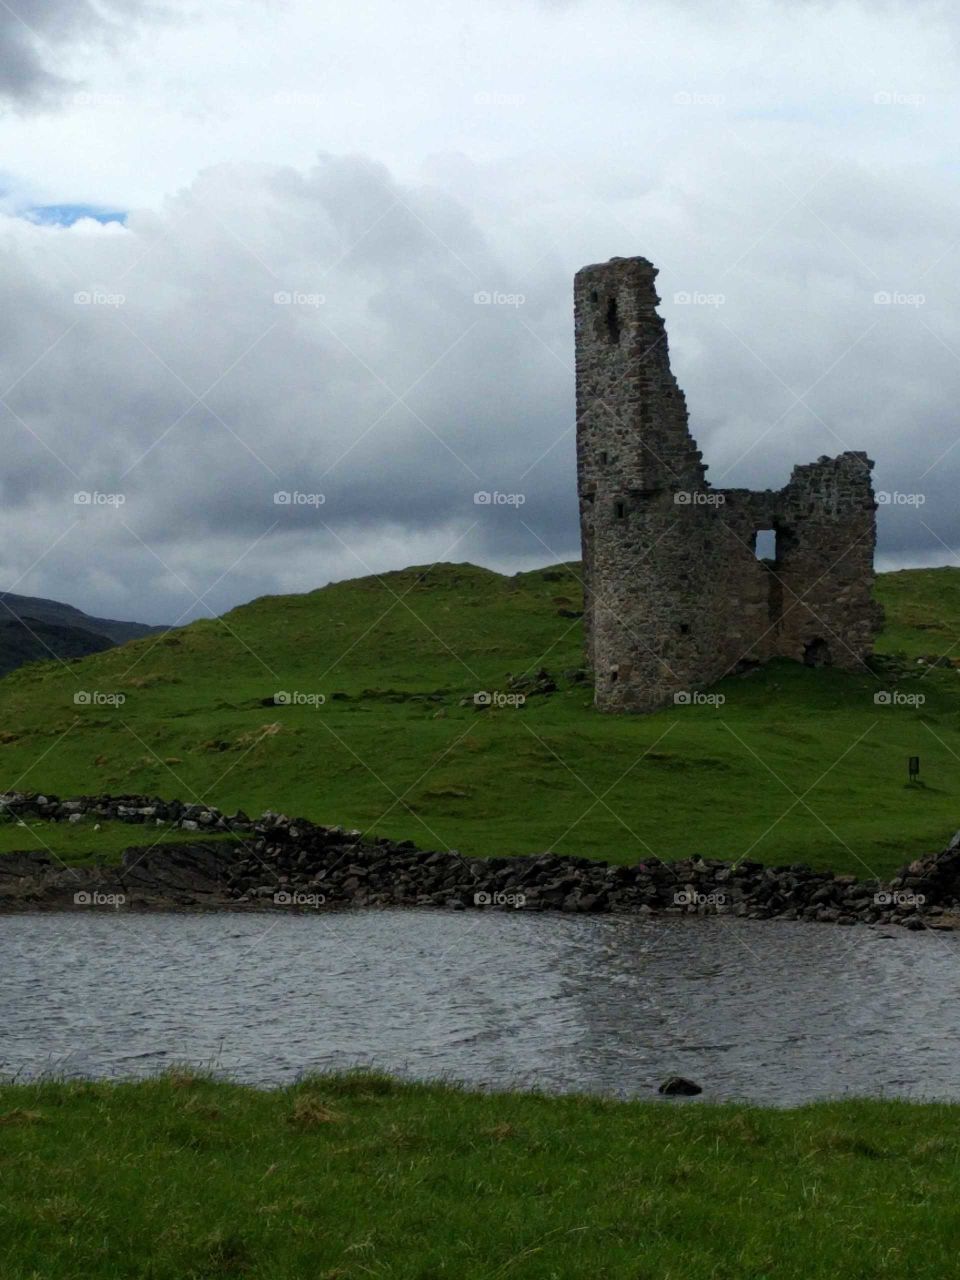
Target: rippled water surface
(771, 1012)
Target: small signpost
(914, 768)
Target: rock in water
(679, 1087)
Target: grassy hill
(796, 765)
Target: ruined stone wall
(826, 541)
(675, 596)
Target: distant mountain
(30, 640)
(65, 615)
(35, 630)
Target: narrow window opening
(613, 322)
(614, 674)
(594, 296)
(603, 457)
(620, 509)
(765, 544)
(684, 628)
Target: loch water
(768, 1012)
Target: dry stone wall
(283, 863)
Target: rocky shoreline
(280, 863)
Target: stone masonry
(675, 594)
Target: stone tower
(675, 596)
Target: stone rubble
(283, 862)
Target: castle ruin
(675, 594)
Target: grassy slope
(349, 1177)
(75, 845)
(797, 765)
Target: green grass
(797, 765)
(76, 844)
(357, 1176)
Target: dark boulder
(679, 1087)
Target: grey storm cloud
(332, 336)
(34, 33)
(377, 354)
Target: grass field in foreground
(351, 1177)
(796, 765)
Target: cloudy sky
(240, 244)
